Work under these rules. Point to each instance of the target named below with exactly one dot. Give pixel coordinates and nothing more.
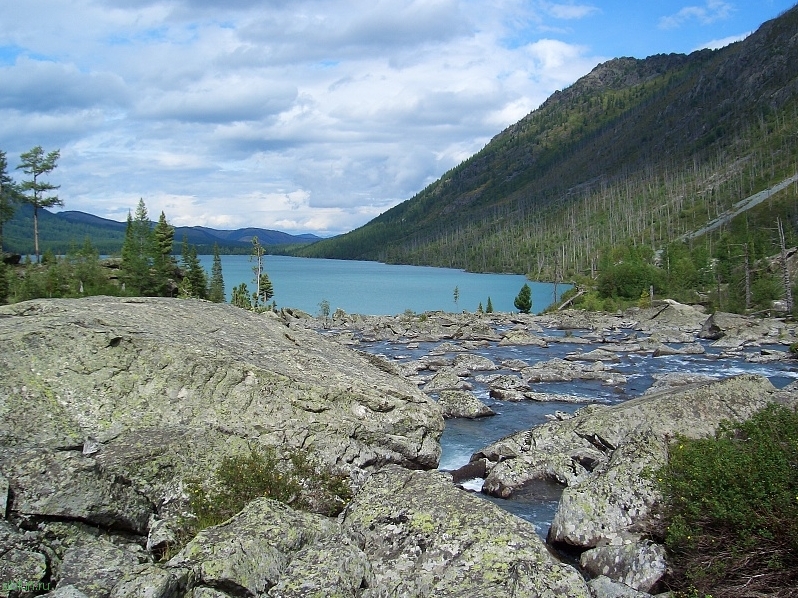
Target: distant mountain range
(61, 231)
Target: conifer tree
(9, 195)
(263, 286)
(489, 307)
(35, 164)
(216, 285)
(194, 272)
(163, 262)
(137, 252)
(240, 297)
(523, 302)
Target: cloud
(570, 11)
(309, 115)
(712, 11)
(716, 44)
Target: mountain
(637, 151)
(61, 231)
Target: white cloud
(716, 44)
(308, 116)
(570, 11)
(712, 11)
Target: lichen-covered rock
(95, 568)
(67, 485)
(3, 496)
(424, 537)
(522, 337)
(169, 387)
(603, 587)
(460, 403)
(147, 581)
(603, 453)
(22, 567)
(637, 565)
(446, 379)
(249, 552)
(473, 362)
(334, 567)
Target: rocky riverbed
(110, 405)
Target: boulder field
(109, 407)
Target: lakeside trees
(9, 195)
(36, 164)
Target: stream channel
(537, 503)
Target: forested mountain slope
(639, 151)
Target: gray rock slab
(248, 553)
(603, 587)
(96, 568)
(66, 484)
(637, 565)
(460, 403)
(424, 537)
(168, 387)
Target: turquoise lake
(374, 288)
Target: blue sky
(303, 115)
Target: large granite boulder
(424, 538)
(108, 406)
(166, 387)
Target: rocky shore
(109, 406)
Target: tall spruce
(164, 263)
(9, 195)
(36, 164)
(137, 254)
(523, 301)
(195, 281)
(216, 285)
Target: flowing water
(538, 502)
(380, 289)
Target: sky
(305, 116)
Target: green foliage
(263, 286)
(137, 253)
(36, 164)
(731, 507)
(240, 297)
(299, 481)
(489, 307)
(216, 284)
(195, 281)
(629, 280)
(163, 263)
(9, 195)
(4, 286)
(523, 301)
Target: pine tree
(9, 195)
(216, 285)
(194, 271)
(240, 297)
(523, 302)
(137, 252)
(35, 164)
(263, 286)
(164, 263)
(489, 307)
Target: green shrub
(731, 508)
(299, 481)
